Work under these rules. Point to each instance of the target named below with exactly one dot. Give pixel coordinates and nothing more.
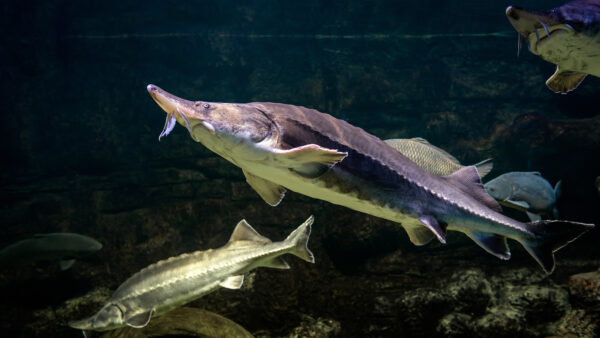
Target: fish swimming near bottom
(178, 280)
(281, 146)
(568, 36)
(526, 191)
(433, 159)
(64, 247)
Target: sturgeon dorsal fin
(468, 181)
(270, 192)
(140, 320)
(244, 232)
(564, 81)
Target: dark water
(80, 154)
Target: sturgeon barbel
(176, 281)
(280, 146)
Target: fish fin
(245, 232)
(468, 181)
(564, 81)
(170, 123)
(65, 264)
(492, 243)
(439, 230)
(270, 192)
(533, 216)
(310, 160)
(140, 320)
(536, 173)
(558, 190)
(546, 237)
(419, 235)
(484, 167)
(520, 205)
(299, 241)
(276, 263)
(233, 282)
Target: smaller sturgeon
(568, 36)
(173, 282)
(433, 159)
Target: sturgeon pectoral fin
(245, 232)
(65, 264)
(270, 192)
(494, 244)
(140, 320)
(432, 224)
(310, 160)
(420, 236)
(233, 282)
(170, 123)
(565, 81)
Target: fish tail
(484, 167)
(548, 237)
(298, 241)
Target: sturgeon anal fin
(484, 167)
(432, 224)
(310, 160)
(140, 320)
(65, 264)
(276, 263)
(519, 205)
(233, 282)
(270, 192)
(419, 236)
(245, 232)
(170, 123)
(468, 181)
(494, 244)
(533, 216)
(564, 81)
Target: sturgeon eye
(206, 106)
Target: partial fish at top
(568, 36)
(280, 146)
(173, 282)
(433, 159)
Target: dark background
(79, 131)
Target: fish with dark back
(281, 147)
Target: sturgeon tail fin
(298, 239)
(548, 237)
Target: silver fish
(64, 247)
(176, 281)
(568, 36)
(280, 146)
(433, 159)
(526, 191)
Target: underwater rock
(585, 287)
(185, 321)
(577, 324)
(320, 327)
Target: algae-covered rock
(578, 324)
(585, 287)
(184, 321)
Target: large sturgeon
(568, 36)
(170, 283)
(280, 146)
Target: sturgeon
(568, 36)
(280, 146)
(173, 282)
